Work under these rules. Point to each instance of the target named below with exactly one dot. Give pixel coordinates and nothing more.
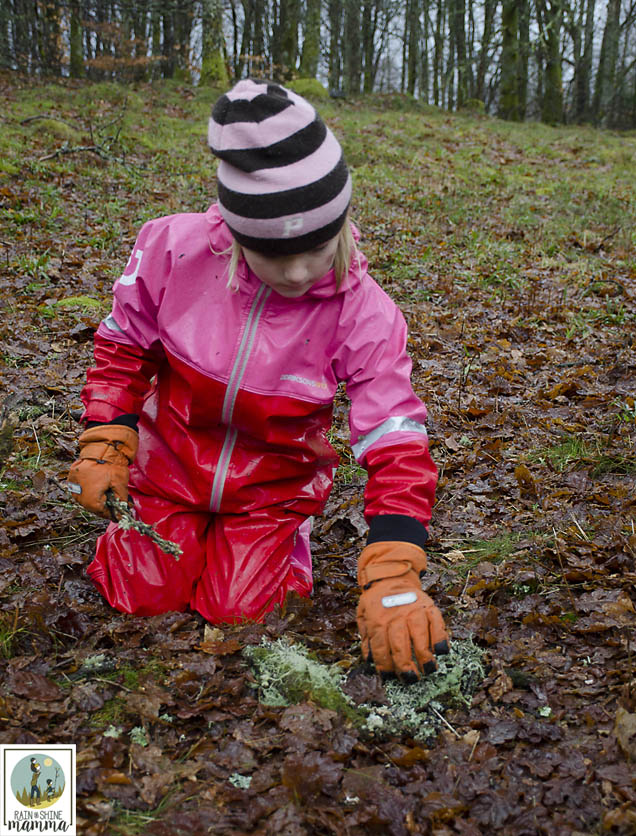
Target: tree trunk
(550, 14)
(168, 44)
(213, 69)
(285, 38)
(584, 76)
(155, 35)
(414, 38)
(508, 85)
(489, 21)
(524, 57)
(335, 58)
(259, 60)
(183, 28)
(369, 24)
(458, 24)
(21, 47)
(5, 39)
(49, 14)
(424, 62)
(76, 42)
(439, 52)
(311, 40)
(606, 72)
(352, 56)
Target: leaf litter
(521, 334)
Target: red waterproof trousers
(216, 573)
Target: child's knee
(136, 577)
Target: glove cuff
(389, 559)
(124, 439)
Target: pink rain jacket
(235, 385)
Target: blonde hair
(345, 249)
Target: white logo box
(37, 789)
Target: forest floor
(512, 252)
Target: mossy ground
(287, 673)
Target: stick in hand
(120, 512)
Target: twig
(565, 580)
(576, 523)
(125, 520)
(110, 682)
(48, 116)
(630, 671)
(65, 149)
(445, 721)
(599, 246)
(37, 441)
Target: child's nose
(296, 271)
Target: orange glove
(106, 451)
(399, 624)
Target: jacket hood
(221, 240)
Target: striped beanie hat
(283, 185)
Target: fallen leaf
(625, 731)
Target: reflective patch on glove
(399, 600)
(73, 487)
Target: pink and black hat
(283, 185)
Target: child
(214, 383)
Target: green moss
(309, 87)
(74, 305)
(112, 713)
(86, 303)
(288, 673)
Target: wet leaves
(521, 333)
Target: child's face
(293, 275)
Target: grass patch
(497, 550)
(136, 822)
(560, 456)
(10, 634)
(578, 452)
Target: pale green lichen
(113, 731)
(241, 781)
(139, 735)
(288, 673)
(418, 710)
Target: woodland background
(554, 60)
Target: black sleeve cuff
(397, 527)
(129, 420)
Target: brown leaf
(308, 722)
(35, 686)
(502, 683)
(223, 648)
(625, 731)
(153, 787)
(525, 480)
(307, 774)
(144, 705)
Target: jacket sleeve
(128, 349)
(387, 419)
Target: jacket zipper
(231, 393)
